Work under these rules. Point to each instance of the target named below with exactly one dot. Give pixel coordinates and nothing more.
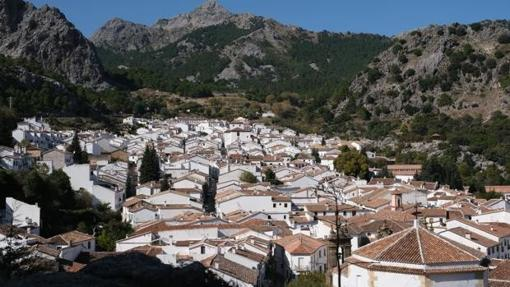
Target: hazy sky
(374, 16)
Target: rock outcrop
(455, 69)
(45, 36)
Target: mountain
(453, 69)
(45, 36)
(213, 46)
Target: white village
(250, 202)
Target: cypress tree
(79, 156)
(149, 169)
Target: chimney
(416, 223)
(468, 235)
(216, 265)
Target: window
(354, 213)
(269, 217)
(202, 249)
(285, 205)
(285, 217)
(274, 205)
(88, 245)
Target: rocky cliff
(45, 36)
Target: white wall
(21, 213)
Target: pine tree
(149, 170)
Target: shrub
(403, 59)
(248, 177)
(491, 63)
(373, 75)
(444, 100)
(476, 27)
(504, 69)
(504, 38)
(395, 70)
(499, 54)
(410, 73)
(418, 52)
(397, 48)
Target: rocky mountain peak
(212, 5)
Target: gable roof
(300, 244)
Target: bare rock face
(45, 36)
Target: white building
(23, 215)
(413, 257)
(81, 177)
(299, 253)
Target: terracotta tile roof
(300, 244)
(72, 237)
(235, 270)
(500, 276)
(148, 250)
(415, 246)
(498, 188)
(383, 181)
(251, 255)
(495, 228)
(475, 238)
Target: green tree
(8, 119)
(442, 170)
(149, 169)
(310, 279)
(352, 163)
(164, 183)
(111, 232)
(270, 176)
(79, 156)
(316, 156)
(130, 188)
(248, 177)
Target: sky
(388, 17)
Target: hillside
(230, 51)
(455, 69)
(44, 35)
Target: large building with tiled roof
(414, 257)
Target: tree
(79, 156)
(164, 183)
(149, 170)
(270, 176)
(248, 177)
(442, 170)
(130, 188)
(309, 279)
(352, 163)
(385, 173)
(323, 141)
(316, 156)
(111, 232)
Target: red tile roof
(300, 244)
(415, 246)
